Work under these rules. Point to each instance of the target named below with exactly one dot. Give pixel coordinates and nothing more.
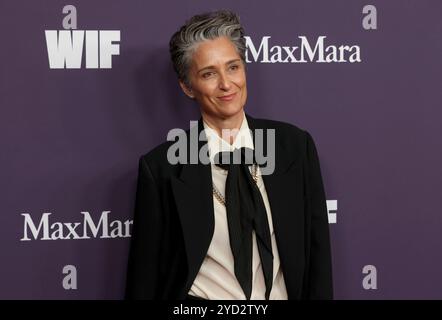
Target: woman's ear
(186, 90)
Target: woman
(227, 229)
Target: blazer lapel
(285, 194)
(192, 191)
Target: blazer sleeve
(143, 272)
(318, 283)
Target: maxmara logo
(265, 51)
(47, 229)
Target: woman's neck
(228, 128)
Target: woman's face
(218, 79)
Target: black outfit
(174, 219)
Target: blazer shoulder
(291, 140)
(285, 131)
(158, 153)
(156, 160)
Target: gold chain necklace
(218, 194)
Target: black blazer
(174, 219)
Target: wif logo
(332, 207)
(66, 47)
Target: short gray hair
(202, 27)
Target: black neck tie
(246, 212)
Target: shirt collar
(217, 144)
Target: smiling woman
(217, 81)
(224, 230)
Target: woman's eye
(207, 74)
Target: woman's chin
(230, 111)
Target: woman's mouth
(227, 97)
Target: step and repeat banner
(87, 87)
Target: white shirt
(216, 278)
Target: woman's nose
(224, 83)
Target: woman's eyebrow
(213, 67)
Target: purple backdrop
(71, 138)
